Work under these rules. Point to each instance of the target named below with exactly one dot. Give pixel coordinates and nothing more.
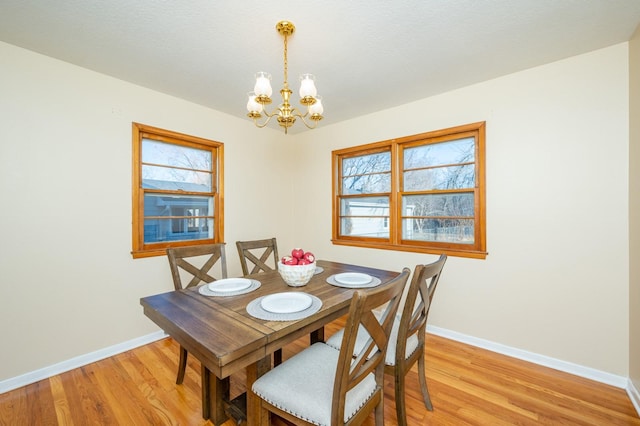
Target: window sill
(449, 251)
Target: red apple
(297, 253)
(310, 257)
(288, 260)
(304, 261)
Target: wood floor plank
(469, 386)
(120, 388)
(145, 383)
(87, 402)
(13, 405)
(60, 401)
(40, 404)
(157, 362)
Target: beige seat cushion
(303, 386)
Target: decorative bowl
(296, 275)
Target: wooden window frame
(141, 131)
(396, 148)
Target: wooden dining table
(225, 338)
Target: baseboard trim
(634, 396)
(567, 367)
(79, 361)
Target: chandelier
(285, 113)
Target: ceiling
(367, 55)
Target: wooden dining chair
(195, 264)
(249, 251)
(325, 386)
(408, 335)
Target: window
(421, 193)
(177, 190)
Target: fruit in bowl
(298, 268)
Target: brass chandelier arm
(260, 126)
(294, 113)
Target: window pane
(457, 205)
(454, 152)
(367, 174)
(177, 229)
(154, 177)
(367, 184)
(458, 231)
(375, 227)
(371, 163)
(367, 217)
(453, 177)
(175, 167)
(177, 205)
(175, 155)
(365, 206)
(187, 218)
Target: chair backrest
(416, 311)
(195, 254)
(370, 359)
(250, 250)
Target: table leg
(214, 392)
(254, 412)
(317, 336)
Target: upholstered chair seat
(305, 387)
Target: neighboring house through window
(421, 193)
(177, 190)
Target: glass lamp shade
(307, 86)
(252, 105)
(316, 108)
(263, 84)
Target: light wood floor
(468, 386)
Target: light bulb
(317, 108)
(307, 86)
(263, 84)
(252, 105)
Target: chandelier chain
(286, 63)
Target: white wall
(68, 283)
(555, 281)
(634, 214)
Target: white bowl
(296, 275)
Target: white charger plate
(353, 278)
(375, 281)
(206, 291)
(286, 303)
(228, 285)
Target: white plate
(286, 303)
(228, 285)
(353, 278)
